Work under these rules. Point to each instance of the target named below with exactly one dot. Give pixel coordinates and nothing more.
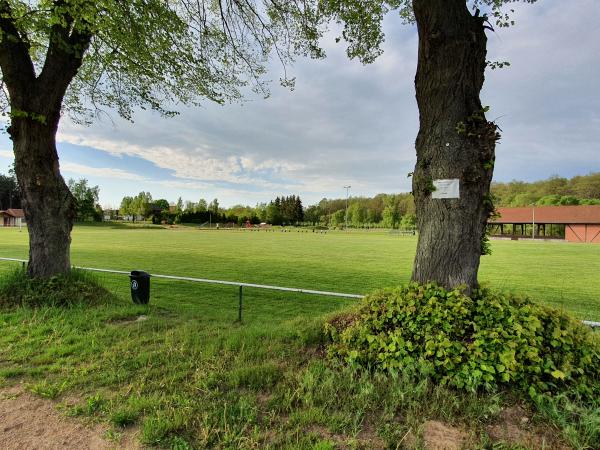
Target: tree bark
(35, 103)
(47, 202)
(455, 141)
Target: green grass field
(190, 376)
(559, 274)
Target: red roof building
(581, 223)
(12, 218)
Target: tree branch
(68, 42)
(17, 67)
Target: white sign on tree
(446, 188)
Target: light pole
(346, 216)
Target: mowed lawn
(559, 274)
(188, 375)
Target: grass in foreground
(189, 376)
(18, 289)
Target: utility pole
(346, 217)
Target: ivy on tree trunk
(455, 141)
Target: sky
(350, 124)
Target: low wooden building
(12, 218)
(580, 223)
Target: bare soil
(439, 436)
(367, 439)
(32, 423)
(514, 427)
(28, 423)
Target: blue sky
(346, 123)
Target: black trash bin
(140, 287)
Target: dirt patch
(439, 436)
(408, 441)
(324, 433)
(367, 439)
(514, 427)
(128, 320)
(28, 422)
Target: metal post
(241, 300)
(346, 216)
(533, 222)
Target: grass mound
(75, 288)
(482, 341)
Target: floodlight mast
(346, 216)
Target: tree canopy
(86, 199)
(362, 21)
(88, 55)
(154, 54)
(579, 190)
(10, 194)
(151, 53)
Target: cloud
(547, 102)
(196, 163)
(346, 123)
(182, 184)
(102, 172)
(7, 154)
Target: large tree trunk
(47, 202)
(454, 141)
(35, 103)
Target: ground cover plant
(76, 287)
(185, 374)
(474, 342)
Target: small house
(12, 218)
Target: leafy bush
(76, 287)
(479, 342)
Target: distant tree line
(285, 211)
(382, 210)
(201, 212)
(10, 194)
(86, 197)
(87, 208)
(281, 211)
(579, 190)
(141, 206)
(144, 207)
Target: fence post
(241, 300)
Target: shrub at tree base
(483, 341)
(75, 288)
